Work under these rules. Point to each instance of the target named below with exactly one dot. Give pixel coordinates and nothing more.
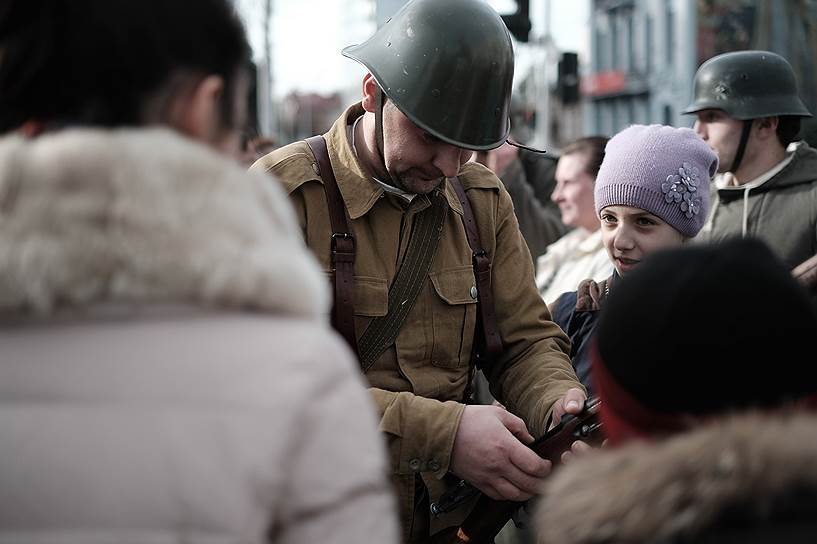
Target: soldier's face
(722, 133)
(416, 160)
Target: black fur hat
(707, 329)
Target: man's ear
(197, 112)
(369, 93)
(767, 127)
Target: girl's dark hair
(591, 148)
(99, 62)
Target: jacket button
(434, 465)
(414, 465)
(474, 292)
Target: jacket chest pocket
(371, 296)
(453, 316)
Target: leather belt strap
(343, 246)
(424, 238)
(482, 272)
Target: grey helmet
(448, 66)
(747, 85)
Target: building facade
(644, 53)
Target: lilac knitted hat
(663, 170)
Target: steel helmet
(747, 85)
(448, 66)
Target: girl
(652, 192)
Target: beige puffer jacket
(166, 370)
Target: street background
(584, 67)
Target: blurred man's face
(574, 192)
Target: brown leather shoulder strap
(482, 273)
(343, 246)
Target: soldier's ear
(369, 93)
(767, 127)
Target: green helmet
(448, 66)
(747, 85)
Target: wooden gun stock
(490, 515)
(806, 274)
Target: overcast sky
(309, 34)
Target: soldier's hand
(572, 402)
(490, 454)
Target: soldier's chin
(418, 186)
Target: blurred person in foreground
(651, 193)
(580, 253)
(167, 373)
(704, 365)
(748, 111)
(438, 89)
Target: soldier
(434, 93)
(749, 113)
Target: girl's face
(630, 234)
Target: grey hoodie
(781, 211)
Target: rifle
(806, 274)
(489, 515)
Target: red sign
(602, 83)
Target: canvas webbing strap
(343, 246)
(424, 238)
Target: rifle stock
(489, 515)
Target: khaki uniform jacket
(418, 384)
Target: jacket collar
(92, 217)
(360, 192)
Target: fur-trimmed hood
(145, 215)
(659, 492)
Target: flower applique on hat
(682, 188)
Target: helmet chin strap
(744, 138)
(528, 148)
(380, 103)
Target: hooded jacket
(166, 371)
(748, 478)
(782, 211)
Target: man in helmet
(434, 93)
(749, 113)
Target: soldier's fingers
(574, 400)
(525, 460)
(516, 426)
(509, 491)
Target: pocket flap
(371, 296)
(455, 285)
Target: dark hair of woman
(110, 62)
(591, 148)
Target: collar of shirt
(359, 190)
(728, 179)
